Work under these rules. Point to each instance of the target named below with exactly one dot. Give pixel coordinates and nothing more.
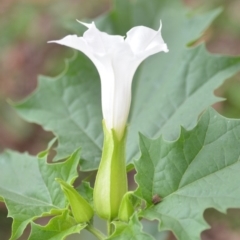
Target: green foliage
(70, 107)
(179, 174)
(86, 192)
(127, 207)
(58, 228)
(200, 170)
(80, 208)
(132, 230)
(181, 82)
(29, 189)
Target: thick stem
(96, 232)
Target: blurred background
(26, 26)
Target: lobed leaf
(69, 105)
(58, 228)
(129, 231)
(199, 170)
(29, 189)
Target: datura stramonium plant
(116, 59)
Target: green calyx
(81, 209)
(111, 181)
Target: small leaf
(81, 209)
(200, 170)
(127, 207)
(86, 192)
(132, 230)
(29, 189)
(58, 228)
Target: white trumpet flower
(116, 59)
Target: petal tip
(88, 25)
(160, 27)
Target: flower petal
(145, 41)
(100, 42)
(88, 25)
(79, 43)
(74, 42)
(116, 60)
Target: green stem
(95, 232)
(109, 228)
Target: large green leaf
(29, 189)
(169, 90)
(199, 170)
(58, 228)
(69, 105)
(129, 231)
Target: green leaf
(86, 192)
(128, 205)
(166, 88)
(58, 228)
(69, 105)
(29, 189)
(81, 209)
(200, 170)
(130, 231)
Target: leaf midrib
(191, 95)
(199, 179)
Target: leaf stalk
(96, 232)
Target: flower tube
(116, 59)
